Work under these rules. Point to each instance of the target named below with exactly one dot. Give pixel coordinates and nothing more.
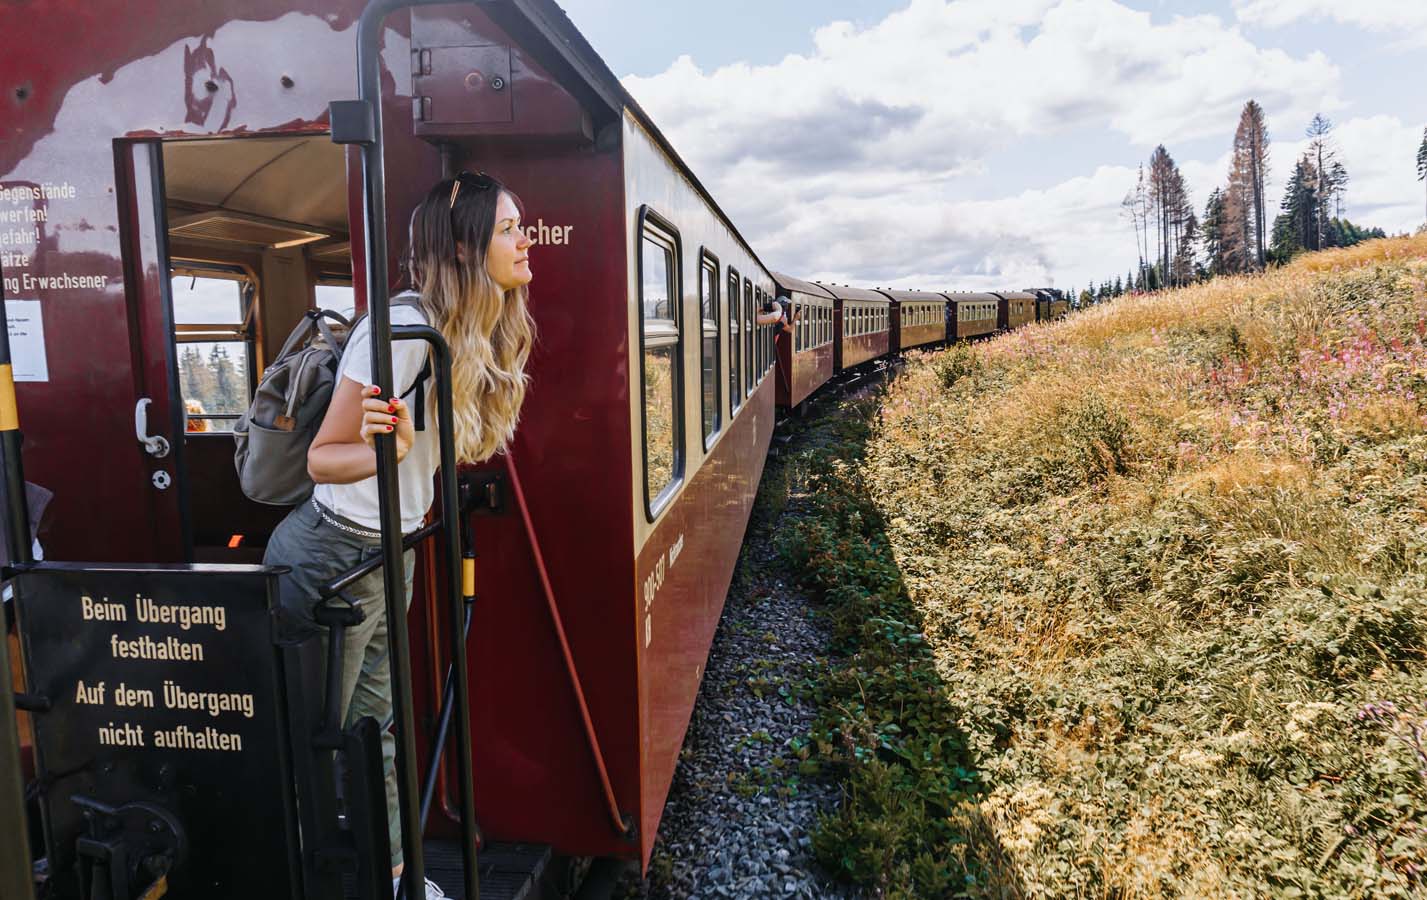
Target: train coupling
(127, 851)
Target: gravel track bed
(736, 824)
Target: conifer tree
(1422, 158)
(227, 392)
(1247, 174)
(1297, 227)
(1331, 176)
(1211, 233)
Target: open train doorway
(257, 233)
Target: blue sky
(979, 143)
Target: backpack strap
(412, 299)
(419, 408)
(319, 318)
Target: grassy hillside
(1157, 598)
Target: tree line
(214, 386)
(1238, 231)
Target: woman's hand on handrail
(342, 451)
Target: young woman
(470, 266)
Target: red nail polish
(393, 420)
(391, 407)
(388, 428)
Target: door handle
(154, 444)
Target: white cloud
(1405, 18)
(856, 161)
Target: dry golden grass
(1169, 552)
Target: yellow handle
(9, 412)
(468, 577)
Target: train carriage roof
(1014, 295)
(913, 296)
(583, 62)
(790, 284)
(971, 296)
(847, 292)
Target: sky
(977, 144)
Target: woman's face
(508, 256)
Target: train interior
(257, 234)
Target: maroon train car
(862, 325)
(918, 318)
(1016, 308)
(970, 314)
(805, 362)
(178, 206)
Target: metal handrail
(623, 824)
(15, 868)
(450, 522)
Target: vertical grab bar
(452, 527)
(360, 122)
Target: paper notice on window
(27, 340)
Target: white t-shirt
(358, 501)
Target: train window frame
(709, 263)
(656, 229)
(735, 345)
(335, 279)
(749, 320)
(757, 334)
(242, 332)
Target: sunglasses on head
(480, 181)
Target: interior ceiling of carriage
(257, 191)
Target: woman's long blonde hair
(490, 331)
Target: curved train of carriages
(172, 204)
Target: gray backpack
(272, 437)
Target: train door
(155, 478)
(232, 241)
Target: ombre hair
(490, 331)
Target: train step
(507, 871)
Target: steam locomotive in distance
(176, 193)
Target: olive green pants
(316, 551)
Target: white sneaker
(433, 890)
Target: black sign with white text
(164, 685)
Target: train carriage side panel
(1017, 308)
(972, 314)
(865, 327)
(535, 777)
(805, 363)
(920, 316)
(688, 524)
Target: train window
(335, 294)
(747, 337)
(710, 372)
(757, 334)
(661, 361)
(213, 328)
(735, 342)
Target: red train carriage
(1016, 308)
(862, 325)
(190, 208)
(805, 362)
(970, 314)
(918, 318)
